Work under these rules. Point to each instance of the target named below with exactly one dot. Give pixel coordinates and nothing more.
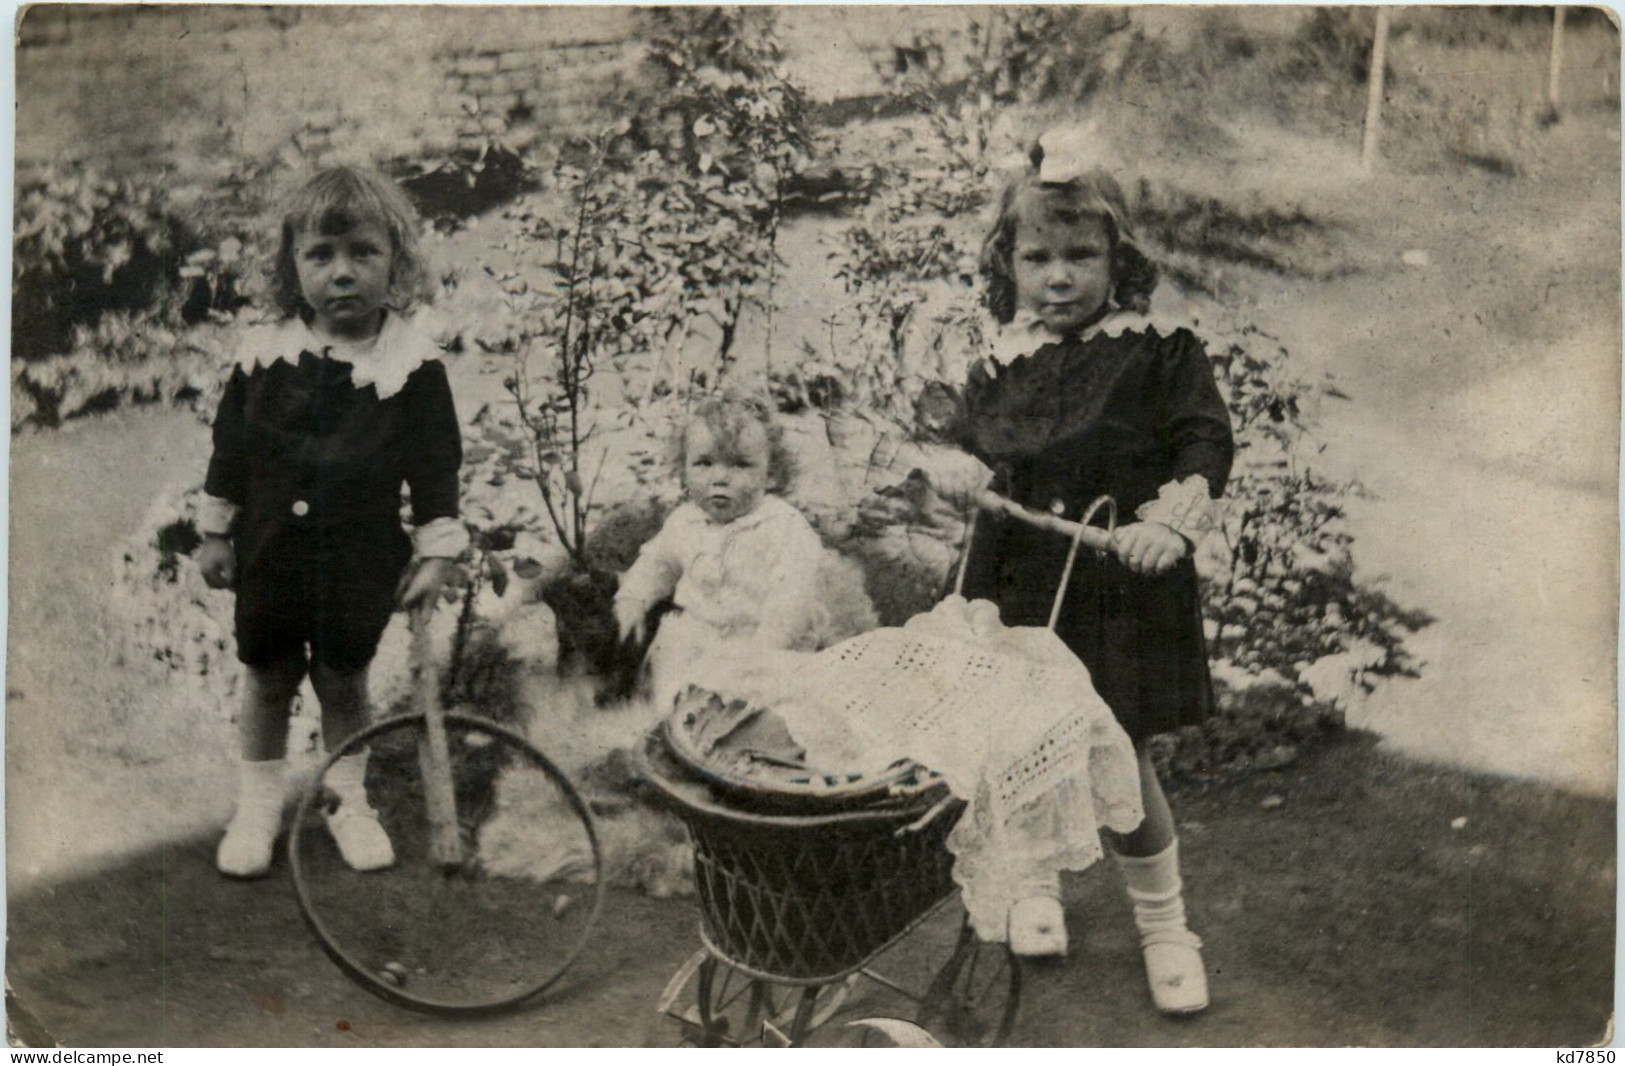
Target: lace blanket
(1008, 716)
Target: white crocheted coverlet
(1009, 718)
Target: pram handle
(1084, 533)
(1080, 533)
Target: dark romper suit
(1119, 416)
(315, 466)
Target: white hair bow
(1070, 152)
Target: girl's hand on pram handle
(956, 477)
(1149, 547)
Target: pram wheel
(971, 1000)
(974, 998)
(718, 1005)
(475, 936)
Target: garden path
(1484, 425)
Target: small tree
(735, 130)
(565, 300)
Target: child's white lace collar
(385, 364)
(1026, 334)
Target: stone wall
(183, 86)
(517, 94)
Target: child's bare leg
(245, 850)
(343, 696)
(354, 824)
(1149, 859)
(1156, 832)
(267, 701)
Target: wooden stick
(1373, 99)
(434, 753)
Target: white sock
(1173, 954)
(245, 850)
(259, 785)
(348, 779)
(1156, 890)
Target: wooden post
(1554, 68)
(1373, 99)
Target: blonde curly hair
(726, 416)
(1091, 194)
(335, 201)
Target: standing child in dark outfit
(1081, 398)
(325, 415)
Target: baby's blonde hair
(726, 416)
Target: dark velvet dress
(315, 465)
(1119, 416)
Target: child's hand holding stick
(420, 586)
(217, 561)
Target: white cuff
(443, 538)
(1184, 507)
(215, 515)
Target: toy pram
(804, 878)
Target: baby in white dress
(744, 569)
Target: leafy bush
(1335, 41)
(907, 263)
(1293, 634)
(84, 245)
(108, 275)
(1260, 728)
(124, 359)
(722, 85)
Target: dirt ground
(1354, 911)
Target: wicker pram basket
(806, 898)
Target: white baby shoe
(1174, 971)
(1038, 927)
(361, 839)
(245, 850)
